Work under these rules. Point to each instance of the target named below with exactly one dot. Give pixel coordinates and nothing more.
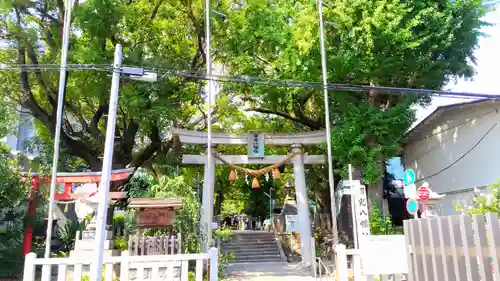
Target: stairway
(252, 247)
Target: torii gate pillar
(302, 203)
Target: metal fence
(453, 248)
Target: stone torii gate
(255, 143)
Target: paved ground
(268, 272)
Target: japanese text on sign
(362, 219)
(256, 145)
(292, 223)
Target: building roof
(420, 126)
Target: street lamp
(270, 195)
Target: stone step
(257, 256)
(261, 248)
(257, 260)
(252, 247)
(252, 233)
(249, 244)
(244, 239)
(254, 243)
(251, 250)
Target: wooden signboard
(155, 217)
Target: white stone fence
(125, 267)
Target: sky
(487, 68)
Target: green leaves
(13, 199)
(484, 203)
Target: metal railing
(321, 271)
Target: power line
(165, 73)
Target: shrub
(483, 203)
(13, 206)
(379, 225)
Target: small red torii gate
(68, 179)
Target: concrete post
(207, 202)
(302, 204)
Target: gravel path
(268, 272)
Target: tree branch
(94, 129)
(150, 150)
(155, 9)
(304, 121)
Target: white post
(59, 117)
(342, 271)
(207, 201)
(302, 203)
(103, 193)
(208, 186)
(124, 266)
(29, 267)
(313, 256)
(356, 265)
(214, 264)
(331, 181)
(353, 210)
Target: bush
(484, 203)
(379, 225)
(121, 243)
(67, 234)
(223, 234)
(13, 206)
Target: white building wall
(446, 139)
(24, 131)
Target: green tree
(164, 35)
(13, 199)
(416, 44)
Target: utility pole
(104, 185)
(59, 116)
(331, 182)
(209, 184)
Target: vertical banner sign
(292, 224)
(256, 145)
(362, 219)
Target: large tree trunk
(375, 195)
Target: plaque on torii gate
(256, 156)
